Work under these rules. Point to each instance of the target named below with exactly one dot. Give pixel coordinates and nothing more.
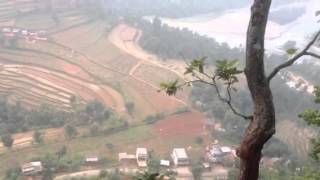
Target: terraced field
(79, 60)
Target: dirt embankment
(126, 38)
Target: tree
(13, 174)
(262, 123)
(197, 170)
(148, 176)
(94, 130)
(130, 107)
(153, 163)
(7, 140)
(312, 117)
(62, 152)
(70, 131)
(38, 137)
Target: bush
(199, 140)
(152, 119)
(130, 107)
(7, 140)
(110, 146)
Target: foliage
(292, 51)
(151, 119)
(174, 43)
(61, 152)
(309, 174)
(38, 137)
(15, 118)
(199, 140)
(70, 131)
(153, 163)
(197, 64)
(227, 71)
(197, 170)
(312, 117)
(110, 146)
(7, 140)
(171, 88)
(13, 174)
(148, 176)
(182, 110)
(55, 163)
(130, 107)
(94, 130)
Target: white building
(142, 157)
(165, 163)
(126, 156)
(32, 168)
(226, 150)
(92, 159)
(180, 157)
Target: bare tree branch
(313, 55)
(227, 100)
(295, 58)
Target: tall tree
(70, 131)
(38, 137)
(262, 123)
(7, 140)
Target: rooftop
(180, 153)
(142, 151)
(165, 163)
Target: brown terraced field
(90, 60)
(82, 59)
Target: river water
(231, 26)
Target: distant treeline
(170, 8)
(15, 118)
(168, 42)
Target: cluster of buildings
(179, 157)
(215, 154)
(219, 154)
(30, 36)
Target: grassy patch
(80, 146)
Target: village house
(126, 157)
(142, 157)
(92, 160)
(165, 163)
(32, 168)
(180, 157)
(218, 154)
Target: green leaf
(292, 51)
(317, 93)
(312, 117)
(227, 71)
(198, 64)
(170, 88)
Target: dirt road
(125, 38)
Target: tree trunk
(262, 126)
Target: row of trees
(15, 118)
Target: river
(231, 26)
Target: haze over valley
(111, 89)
